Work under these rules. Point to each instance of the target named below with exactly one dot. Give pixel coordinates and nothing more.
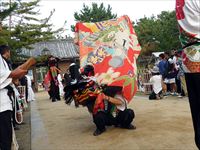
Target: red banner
(112, 47)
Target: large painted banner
(112, 48)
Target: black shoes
(54, 100)
(131, 127)
(98, 132)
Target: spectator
(60, 78)
(180, 78)
(171, 75)
(156, 80)
(31, 95)
(162, 65)
(166, 73)
(23, 82)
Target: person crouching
(156, 81)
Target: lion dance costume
(85, 91)
(111, 47)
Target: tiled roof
(58, 48)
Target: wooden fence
(143, 81)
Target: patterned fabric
(88, 92)
(47, 80)
(191, 58)
(52, 74)
(112, 47)
(189, 33)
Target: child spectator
(156, 81)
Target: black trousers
(123, 118)
(54, 91)
(5, 130)
(178, 86)
(153, 95)
(193, 87)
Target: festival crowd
(166, 76)
(107, 103)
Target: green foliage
(158, 33)
(94, 14)
(42, 59)
(5, 12)
(25, 28)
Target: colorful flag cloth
(188, 16)
(112, 48)
(187, 13)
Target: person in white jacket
(60, 85)
(6, 76)
(156, 81)
(31, 94)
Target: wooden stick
(30, 62)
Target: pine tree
(94, 14)
(25, 28)
(5, 12)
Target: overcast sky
(135, 9)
